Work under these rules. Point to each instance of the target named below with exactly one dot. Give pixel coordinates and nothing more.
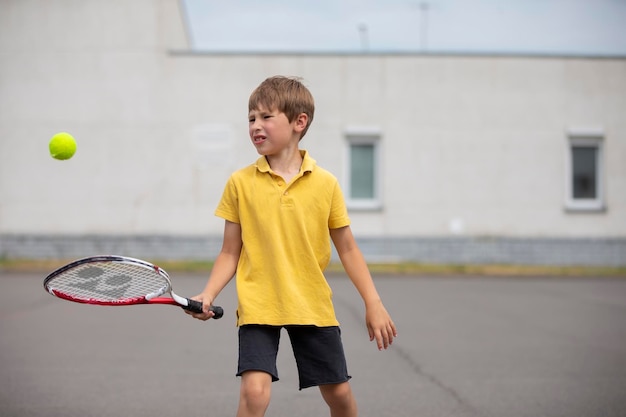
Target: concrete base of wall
(429, 250)
(499, 250)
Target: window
(363, 169)
(585, 170)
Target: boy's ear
(301, 121)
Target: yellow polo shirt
(286, 242)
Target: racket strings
(109, 282)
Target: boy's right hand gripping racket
(117, 281)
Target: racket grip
(196, 307)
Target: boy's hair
(285, 94)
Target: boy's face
(271, 131)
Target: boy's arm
(223, 270)
(379, 323)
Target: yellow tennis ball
(62, 146)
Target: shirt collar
(308, 163)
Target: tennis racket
(117, 281)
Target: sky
(577, 27)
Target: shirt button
(286, 192)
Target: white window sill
(585, 206)
(364, 205)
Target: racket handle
(196, 307)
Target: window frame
(587, 137)
(363, 136)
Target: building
(443, 158)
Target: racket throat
(180, 300)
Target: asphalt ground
(467, 346)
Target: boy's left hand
(379, 324)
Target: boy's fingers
(383, 333)
(205, 315)
(381, 340)
(384, 338)
(392, 334)
(202, 316)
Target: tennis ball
(62, 146)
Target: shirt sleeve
(338, 212)
(228, 207)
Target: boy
(280, 214)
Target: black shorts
(318, 351)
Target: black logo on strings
(97, 282)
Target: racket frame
(153, 297)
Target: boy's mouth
(258, 139)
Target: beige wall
(475, 141)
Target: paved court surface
(468, 346)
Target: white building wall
(474, 145)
